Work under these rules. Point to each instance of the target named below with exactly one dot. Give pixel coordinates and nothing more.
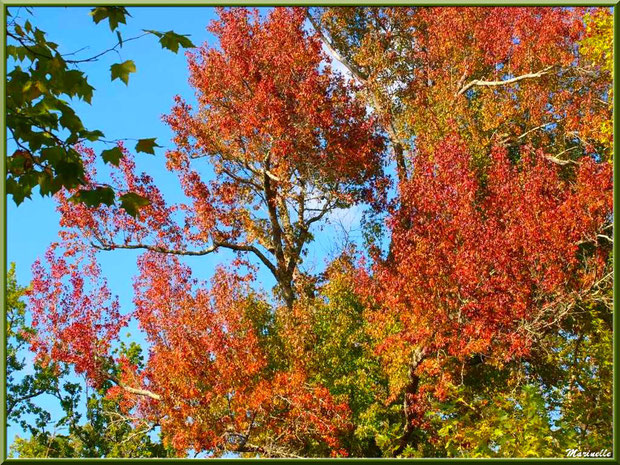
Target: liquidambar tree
(499, 222)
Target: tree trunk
(411, 390)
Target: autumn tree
(479, 105)
(499, 76)
(516, 257)
(285, 139)
(495, 270)
(288, 143)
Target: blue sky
(132, 111)
(118, 110)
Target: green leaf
(147, 146)
(114, 14)
(70, 120)
(94, 197)
(47, 184)
(132, 202)
(112, 156)
(70, 173)
(53, 154)
(17, 190)
(171, 40)
(74, 82)
(120, 38)
(18, 53)
(39, 36)
(92, 136)
(121, 70)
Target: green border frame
(3, 203)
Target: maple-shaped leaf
(17, 190)
(112, 156)
(171, 40)
(94, 197)
(147, 145)
(132, 202)
(122, 70)
(114, 14)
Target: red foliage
(74, 313)
(484, 263)
(488, 246)
(207, 360)
(267, 103)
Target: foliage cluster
(475, 322)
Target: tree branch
(85, 60)
(216, 245)
(354, 72)
(557, 161)
(480, 82)
(254, 250)
(154, 248)
(137, 391)
(276, 230)
(418, 356)
(12, 403)
(397, 145)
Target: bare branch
(250, 248)
(322, 212)
(137, 391)
(155, 248)
(216, 245)
(542, 126)
(256, 187)
(354, 72)
(85, 60)
(557, 161)
(480, 82)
